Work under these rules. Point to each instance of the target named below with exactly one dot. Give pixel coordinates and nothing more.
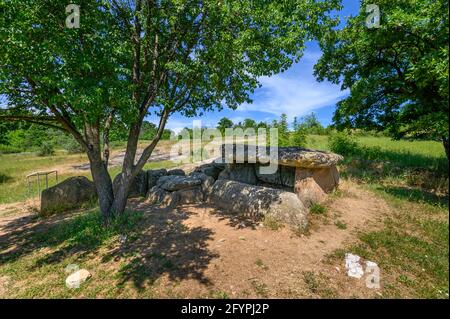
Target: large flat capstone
(285, 156)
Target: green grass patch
(318, 209)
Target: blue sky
(294, 92)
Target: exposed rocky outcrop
(74, 192)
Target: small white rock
(353, 267)
(77, 278)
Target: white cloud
(295, 96)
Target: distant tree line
(18, 137)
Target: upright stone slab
(311, 174)
(72, 193)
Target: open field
(391, 208)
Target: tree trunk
(121, 196)
(445, 142)
(104, 187)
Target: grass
(318, 209)
(340, 224)
(411, 247)
(15, 167)
(45, 254)
(272, 223)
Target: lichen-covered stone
(257, 202)
(188, 196)
(286, 156)
(72, 193)
(159, 196)
(244, 173)
(153, 176)
(176, 182)
(177, 172)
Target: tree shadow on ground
(234, 220)
(27, 234)
(165, 247)
(416, 195)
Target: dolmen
(281, 183)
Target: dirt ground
(197, 251)
(217, 252)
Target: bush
(343, 144)
(298, 138)
(46, 149)
(71, 146)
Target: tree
(223, 124)
(310, 124)
(249, 123)
(397, 74)
(283, 131)
(148, 130)
(130, 60)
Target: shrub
(343, 143)
(298, 138)
(72, 147)
(46, 149)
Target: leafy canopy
(397, 74)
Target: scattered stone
(73, 192)
(222, 240)
(122, 239)
(176, 172)
(77, 278)
(154, 175)
(353, 267)
(176, 182)
(242, 238)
